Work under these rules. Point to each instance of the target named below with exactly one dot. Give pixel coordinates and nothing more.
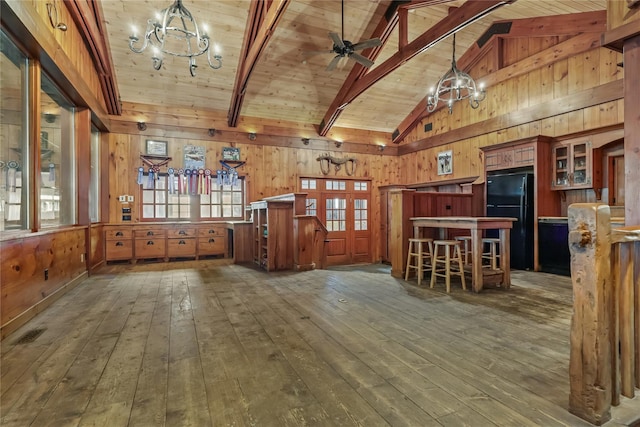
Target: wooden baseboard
(39, 307)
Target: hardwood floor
(211, 343)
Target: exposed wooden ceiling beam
(590, 24)
(469, 12)
(88, 18)
(263, 18)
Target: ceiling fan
(344, 48)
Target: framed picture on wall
(156, 148)
(445, 162)
(231, 153)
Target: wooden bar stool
(492, 252)
(419, 257)
(466, 248)
(446, 262)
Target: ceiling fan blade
(334, 63)
(366, 62)
(336, 40)
(367, 43)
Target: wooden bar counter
(475, 225)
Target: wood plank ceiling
(266, 74)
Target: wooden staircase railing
(605, 326)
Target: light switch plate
(129, 198)
(122, 198)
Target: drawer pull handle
(149, 233)
(150, 243)
(212, 231)
(119, 233)
(119, 244)
(212, 240)
(182, 242)
(182, 233)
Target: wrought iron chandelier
(181, 39)
(455, 86)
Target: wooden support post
(590, 359)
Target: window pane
(205, 211)
(173, 211)
(147, 211)
(216, 211)
(147, 196)
(237, 211)
(161, 211)
(236, 198)
(15, 137)
(58, 193)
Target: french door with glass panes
(343, 206)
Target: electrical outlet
(129, 198)
(122, 198)
(81, 257)
(46, 274)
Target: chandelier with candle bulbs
(175, 32)
(455, 86)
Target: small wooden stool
(466, 248)
(492, 253)
(419, 257)
(450, 257)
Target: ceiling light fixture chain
(182, 39)
(455, 86)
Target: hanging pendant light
(455, 86)
(175, 32)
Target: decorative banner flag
(181, 181)
(207, 173)
(11, 175)
(151, 179)
(194, 181)
(171, 179)
(52, 172)
(187, 188)
(140, 175)
(201, 185)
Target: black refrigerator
(511, 195)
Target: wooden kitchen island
(475, 225)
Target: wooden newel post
(590, 359)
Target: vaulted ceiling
(267, 75)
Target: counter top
(564, 219)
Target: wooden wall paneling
(561, 78)
(535, 95)
(632, 130)
(561, 124)
(95, 252)
(575, 121)
(619, 14)
(547, 126)
(24, 289)
(575, 74)
(608, 69)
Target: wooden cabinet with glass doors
(575, 165)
